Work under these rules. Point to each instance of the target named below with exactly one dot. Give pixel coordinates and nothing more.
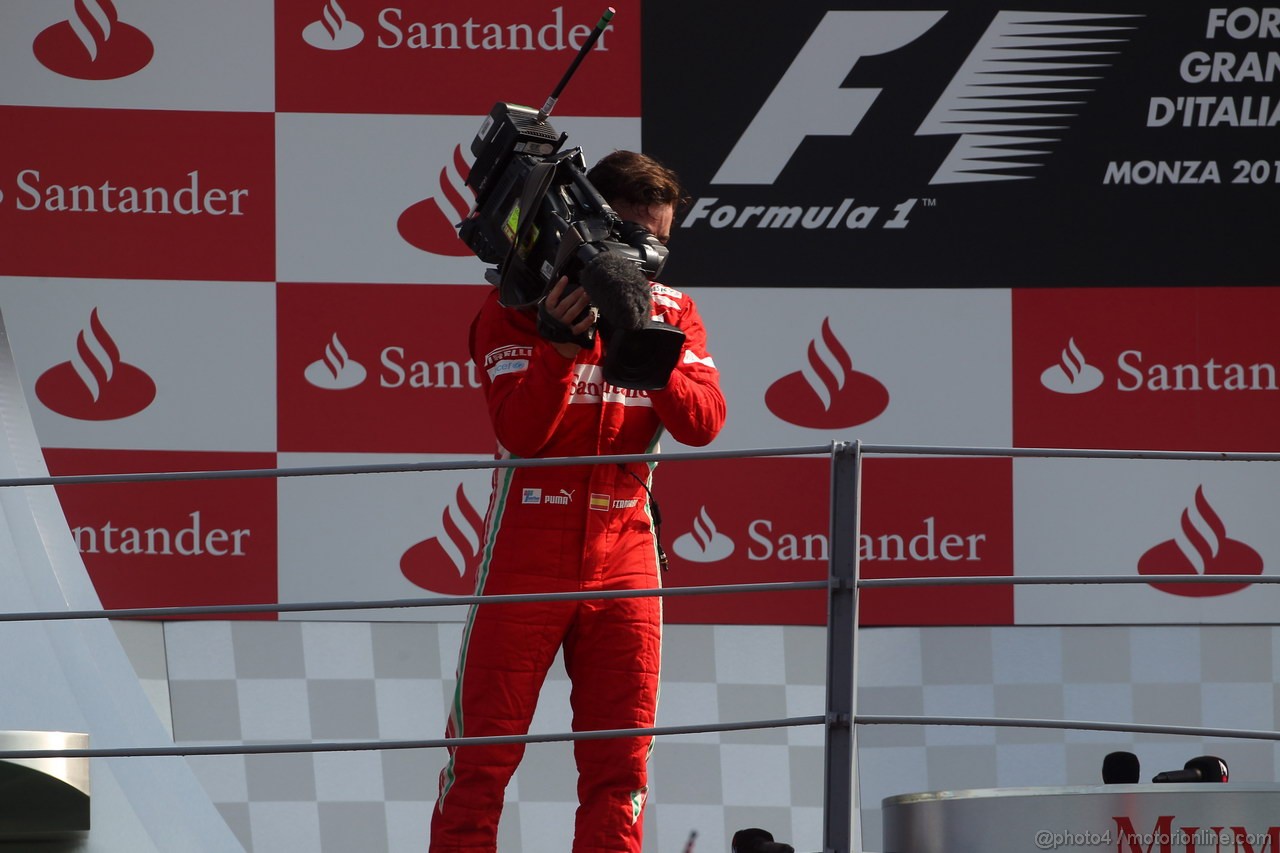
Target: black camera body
(510, 142)
(537, 218)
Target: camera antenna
(577, 60)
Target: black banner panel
(1015, 144)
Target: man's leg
(612, 655)
(506, 651)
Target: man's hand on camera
(565, 308)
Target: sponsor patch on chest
(509, 359)
(589, 387)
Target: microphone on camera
(618, 289)
(619, 293)
(1204, 768)
(1120, 768)
(639, 352)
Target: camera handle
(549, 327)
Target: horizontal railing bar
(391, 604)
(1041, 580)
(431, 743)
(405, 467)
(1072, 453)
(1085, 725)
(707, 728)
(666, 592)
(472, 464)
(434, 743)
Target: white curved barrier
(74, 675)
(1171, 818)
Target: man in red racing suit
(571, 529)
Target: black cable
(656, 514)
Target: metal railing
(843, 584)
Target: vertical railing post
(840, 775)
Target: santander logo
(93, 44)
(704, 544)
(1072, 375)
(333, 31)
(1201, 547)
(95, 385)
(427, 225)
(448, 565)
(828, 393)
(337, 370)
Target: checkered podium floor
(257, 682)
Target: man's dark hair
(637, 179)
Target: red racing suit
(560, 529)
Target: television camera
(537, 218)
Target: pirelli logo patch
(508, 352)
(511, 359)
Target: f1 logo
(809, 100)
(985, 104)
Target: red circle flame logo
(93, 44)
(427, 226)
(1203, 549)
(833, 395)
(452, 570)
(95, 385)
